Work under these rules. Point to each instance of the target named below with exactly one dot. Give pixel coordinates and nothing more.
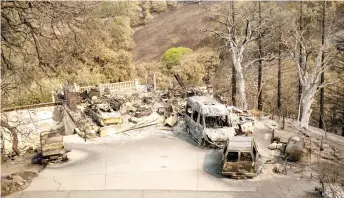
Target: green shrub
(172, 56)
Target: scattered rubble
(275, 146)
(280, 169)
(171, 121)
(16, 182)
(133, 109)
(330, 190)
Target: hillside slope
(181, 27)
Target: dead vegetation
(16, 182)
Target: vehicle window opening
(225, 149)
(105, 108)
(216, 121)
(254, 152)
(188, 110)
(201, 120)
(195, 116)
(232, 157)
(245, 156)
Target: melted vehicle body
(240, 157)
(208, 121)
(104, 115)
(52, 147)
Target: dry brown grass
(181, 27)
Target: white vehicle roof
(208, 106)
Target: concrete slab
(45, 194)
(105, 194)
(78, 181)
(153, 180)
(154, 166)
(170, 194)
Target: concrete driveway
(148, 163)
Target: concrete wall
(31, 122)
(69, 124)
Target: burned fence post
(154, 82)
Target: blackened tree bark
(300, 63)
(260, 64)
(233, 67)
(322, 78)
(279, 75)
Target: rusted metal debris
(103, 114)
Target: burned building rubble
(103, 107)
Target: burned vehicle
(104, 114)
(52, 147)
(208, 121)
(240, 157)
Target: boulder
(280, 169)
(275, 146)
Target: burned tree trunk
(307, 100)
(279, 79)
(2, 143)
(300, 63)
(322, 78)
(242, 89)
(234, 91)
(260, 64)
(240, 77)
(14, 135)
(233, 86)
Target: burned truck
(103, 114)
(208, 121)
(240, 157)
(52, 147)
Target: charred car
(208, 121)
(240, 157)
(103, 114)
(52, 147)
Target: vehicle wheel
(188, 130)
(64, 157)
(204, 143)
(44, 161)
(101, 123)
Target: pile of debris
(292, 150)
(137, 109)
(132, 110)
(16, 182)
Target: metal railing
(113, 86)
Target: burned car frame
(103, 114)
(208, 121)
(240, 157)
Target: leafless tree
(31, 38)
(238, 35)
(13, 132)
(309, 69)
